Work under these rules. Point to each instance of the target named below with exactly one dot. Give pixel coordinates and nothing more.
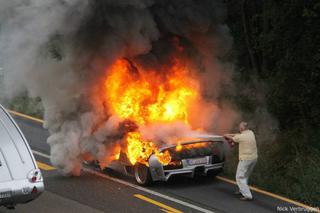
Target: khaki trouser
(244, 170)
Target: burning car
(203, 155)
(155, 114)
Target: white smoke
(60, 51)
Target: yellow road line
(161, 205)
(272, 195)
(44, 166)
(218, 177)
(25, 116)
(164, 210)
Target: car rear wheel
(142, 174)
(214, 173)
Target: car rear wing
(207, 140)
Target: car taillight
(34, 176)
(34, 179)
(174, 164)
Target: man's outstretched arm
(229, 137)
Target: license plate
(5, 194)
(197, 161)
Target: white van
(20, 178)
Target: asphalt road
(109, 191)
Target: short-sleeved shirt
(247, 145)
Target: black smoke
(60, 51)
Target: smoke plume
(61, 51)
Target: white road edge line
(166, 197)
(41, 154)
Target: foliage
(284, 37)
(27, 105)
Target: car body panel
(17, 165)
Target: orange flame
(148, 96)
(179, 147)
(139, 150)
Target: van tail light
(34, 176)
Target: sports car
(203, 155)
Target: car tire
(214, 173)
(142, 175)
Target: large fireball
(149, 96)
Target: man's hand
(229, 138)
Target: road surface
(108, 191)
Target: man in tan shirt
(247, 158)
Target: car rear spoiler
(218, 139)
